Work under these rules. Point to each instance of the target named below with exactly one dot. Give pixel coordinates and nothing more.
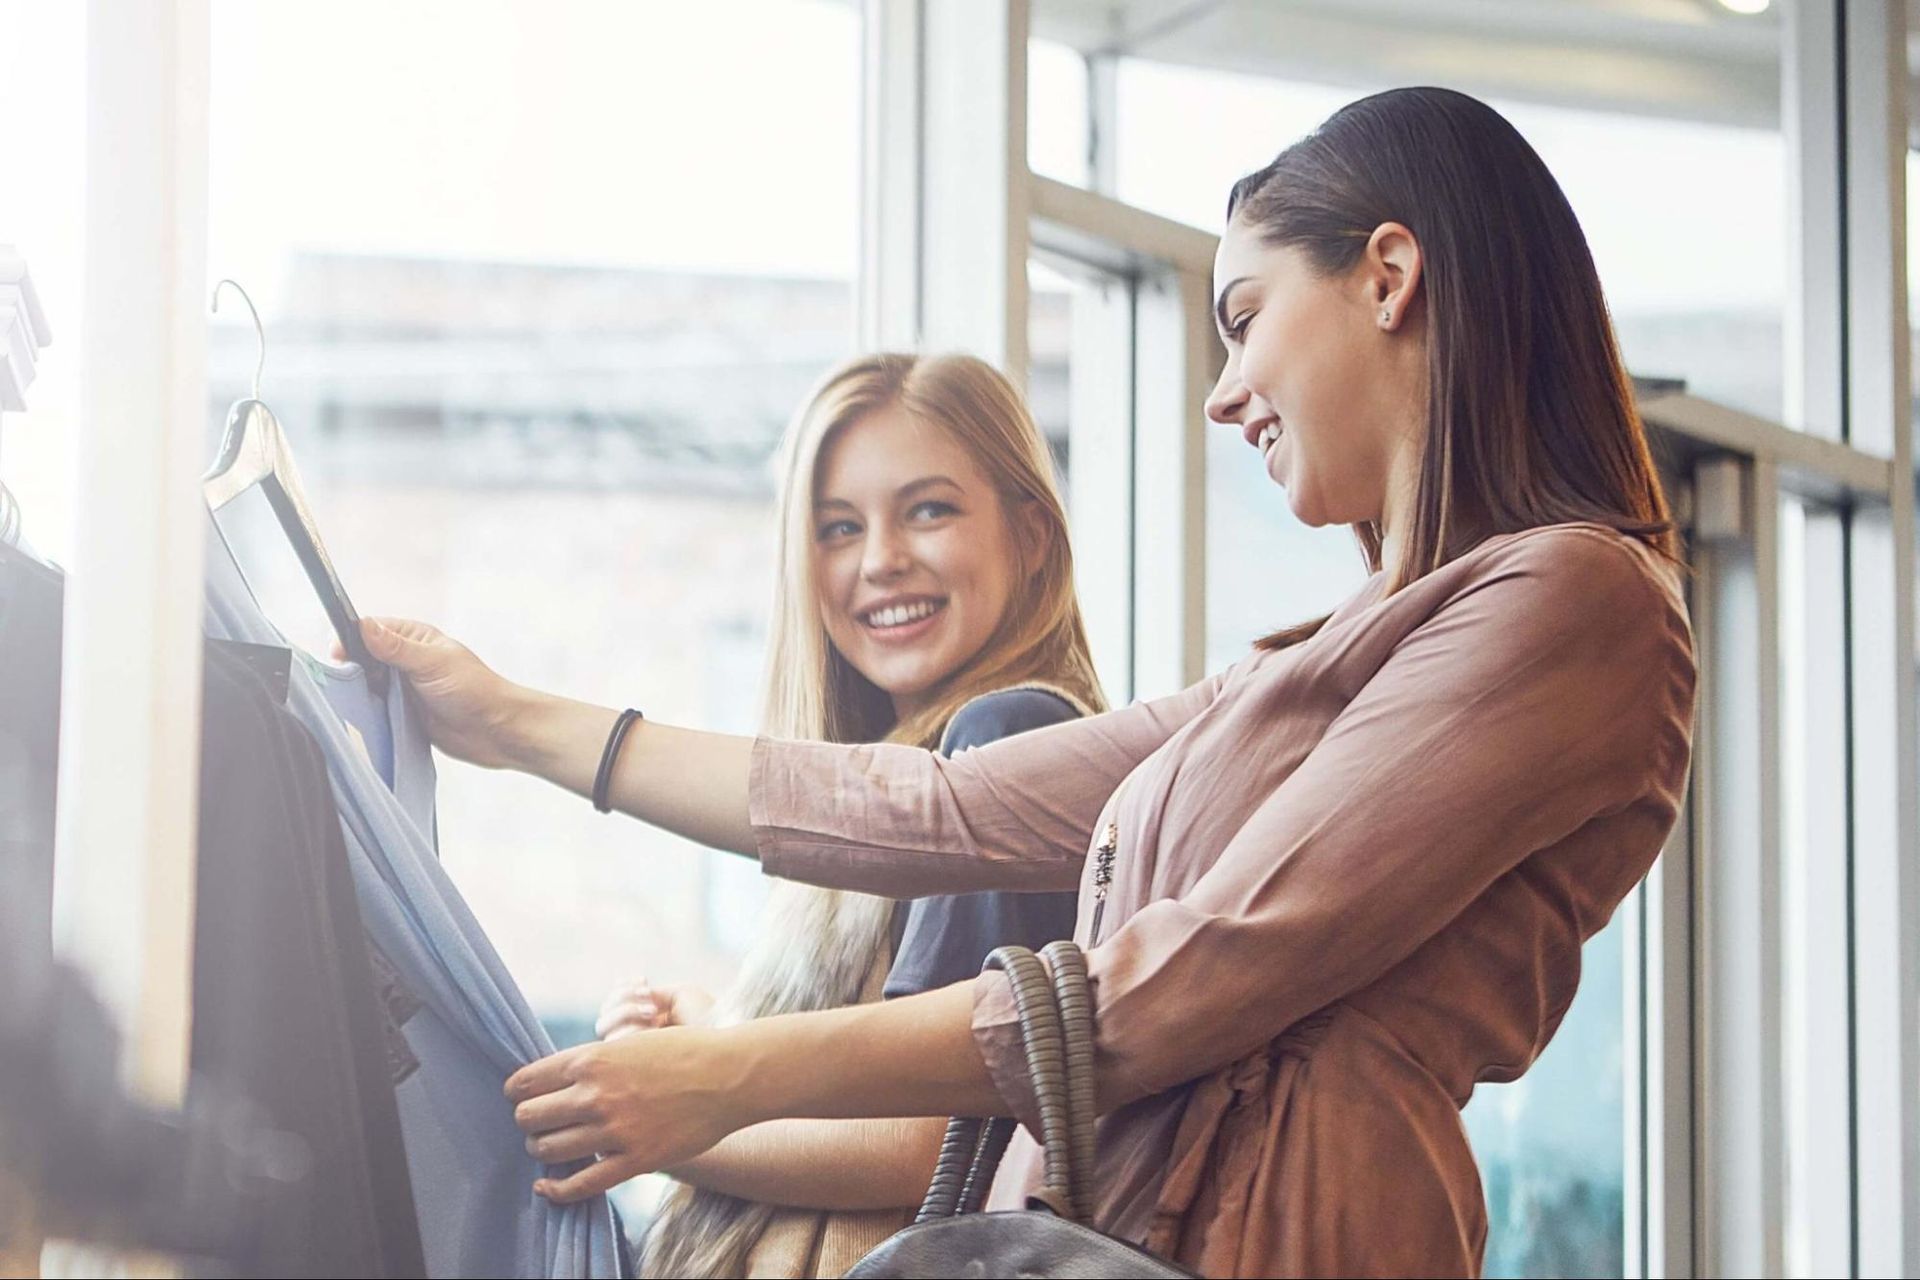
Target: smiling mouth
(893, 617)
(1261, 435)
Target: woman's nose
(885, 556)
(1228, 399)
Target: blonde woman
(924, 595)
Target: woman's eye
(932, 510)
(837, 529)
(1239, 329)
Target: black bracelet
(604, 778)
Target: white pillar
(129, 728)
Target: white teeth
(900, 614)
(1269, 435)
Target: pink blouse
(1353, 878)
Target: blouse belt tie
(1238, 1094)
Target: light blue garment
(472, 1178)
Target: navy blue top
(945, 939)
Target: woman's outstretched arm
(1015, 814)
(684, 780)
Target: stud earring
(1386, 316)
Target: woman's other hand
(470, 708)
(637, 1103)
(640, 1006)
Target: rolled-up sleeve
(1552, 692)
(903, 822)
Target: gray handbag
(950, 1236)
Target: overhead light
(1747, 7)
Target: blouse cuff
(777, 810)
(763, 803)
(996, 1032)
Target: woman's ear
(1032, 533)
(1391, 272)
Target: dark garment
(288, 1155)
(283, 993)
(30, 603)
(945, 939)
(31, 599)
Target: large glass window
(1551, 1144)
(542, 286)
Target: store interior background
(542, 284)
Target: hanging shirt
(471, 1028)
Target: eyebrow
(905, 491)
(1220, 303)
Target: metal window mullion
(888, 296)
(973, 213)
(1103, 122)
(1738, 1094)
(1810, 119)
(1664, 1141)
(1881, 554)
(1637, 1034)
(1816, 1091)
(1099, 228)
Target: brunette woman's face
(1325, 376)
(913, 552)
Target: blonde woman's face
(913, 553)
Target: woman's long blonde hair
(811, 690)
(824, 948)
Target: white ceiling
(1686, 59)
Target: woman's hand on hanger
(640, 1006)
(691, 783)
(471, 709)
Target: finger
(643, 1007)
(550, 1074)
(554, 1111)
(578, 1142)
(625, 1024)
(596, 1179)
(643, 1012)
(393, 639)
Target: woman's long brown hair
(1530, 412)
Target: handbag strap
(1074, 997)
(1055, 1012)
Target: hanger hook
(259, 330)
